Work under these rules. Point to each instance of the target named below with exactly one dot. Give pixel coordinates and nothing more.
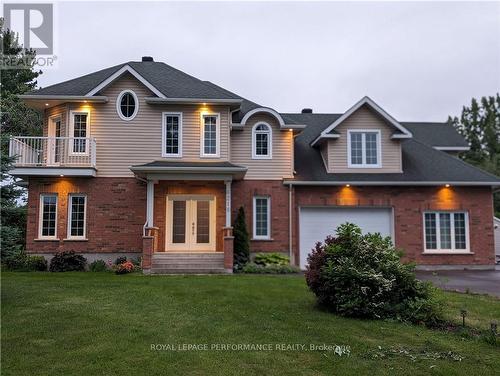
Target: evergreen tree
(241, 240)
(480, 126)
(16, 119)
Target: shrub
(124, 268)
(362, 276)
(67, 261)
(275, 258)
(120, 260)
(241, 240)
(20, 261)
(98, 266)
(253, 268)
(36, 263)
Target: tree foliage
(480, 125)
(241, 240)
(16, 119)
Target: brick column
(228, 249)
(147, 252)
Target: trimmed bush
(36, 263)
(241, 241)
(253, 268)
(362, 276)
(266, 259)
(67, 261)
(98, 266)
(20, 261)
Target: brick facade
(165, 187)
(116, 211)
(243, 192)
(408, 204)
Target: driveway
(477, 281)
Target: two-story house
(141, 159)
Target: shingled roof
(171, 82)
(421, 162)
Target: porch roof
(172, 170)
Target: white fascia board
(452, 148)
(264, 110)
(393, 183)
(118, 73)
(155, 100)
(66, 98)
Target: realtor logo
(34, 23)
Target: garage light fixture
(447, 185)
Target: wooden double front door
(190, 224)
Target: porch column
(228, 233)
(150, 203)
(150, 236)
(228, 203)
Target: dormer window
(261, 141)
(127, 105)
(364, 149)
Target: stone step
(218, 255)
(188, 271)
(186, 265)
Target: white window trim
(70, 211)
(202, 135)
(118, 102)
(164, 154)
(72, 131)
(40, 217)
(270, 141)
(254, 215)
(451, 250)
(363, 148)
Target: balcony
(53, 156)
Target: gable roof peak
(404, 133)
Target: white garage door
(319, 222)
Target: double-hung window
(261, 217)
(77, 207)
(261, 141)
(364, 149)
(80, 131)
(172, 134)
(446, 231)
(47, 226)
(210, 135)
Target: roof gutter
(201, 170)
(66, 98)
(394, 183)
(155, 100)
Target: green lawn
(101, 323)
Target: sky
(419, 61)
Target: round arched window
(127, 105)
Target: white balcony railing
(53, 151)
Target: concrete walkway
(476, 281)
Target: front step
(187, 263)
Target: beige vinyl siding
(364, 118)
(61, 111)
(121, 144)
(281, 164)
